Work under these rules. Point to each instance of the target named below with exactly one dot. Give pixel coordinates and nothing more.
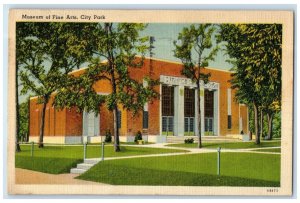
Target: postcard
(150, 102)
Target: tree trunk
(257, 130)
(261, 123)
(116, 130)
(18, 148)
(199, 114)
(270, 126)
(42, 126)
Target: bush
(108, 136)
(138, 136)
(189, 141)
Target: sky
(165, 34)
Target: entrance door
(189, 111)
(167, 103)
(91, 124)
(208, 112)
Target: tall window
(167, 101)
(208, 111)
(189, 111)
(209, 103)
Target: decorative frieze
(170, 80)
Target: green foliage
(24, 121)
(191, 170)
(138, 136)
(115, 48)
(45, 54)
(195, 49)
(189, 141)
(277, 125)
(256, 53)
(108, 137)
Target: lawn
(237, 169)
(60, 159)
(230, 145)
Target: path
(24, 176)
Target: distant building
(171, 115)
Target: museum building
(173, 114)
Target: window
(145, 119)
(119, 119)
(167, 125)
(167, 101)
(229, 122)
(209, 103)
(208, 123)
(189, 102)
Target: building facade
(173, 114)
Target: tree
(195, 49)
(255, 50)
(24, 121)
(46, 53)
(115, 49)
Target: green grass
(230, 145)
(269, 150)
(60, 159)
(237, 169)
(46, 165)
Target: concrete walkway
(188, 151)
(24, 176)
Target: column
(202, 109)
(179, 110)
(196, 112)
(216, 112)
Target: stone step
(85, 166)
(91, 161)
(77, 171)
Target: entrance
(189, 111)
(91, 124)
(167, 103)
(208, 112)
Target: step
(77, 171)
(92, 161)
(85, 166)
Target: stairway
(86, 165)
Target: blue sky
(166, 33)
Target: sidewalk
(24, 176)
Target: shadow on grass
(120, 175)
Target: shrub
(138, 136)
(189, 141)
(108, 136)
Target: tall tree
(255, 50)
(49, 51)
(195, 49)
(115, 50)
(24, 120)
